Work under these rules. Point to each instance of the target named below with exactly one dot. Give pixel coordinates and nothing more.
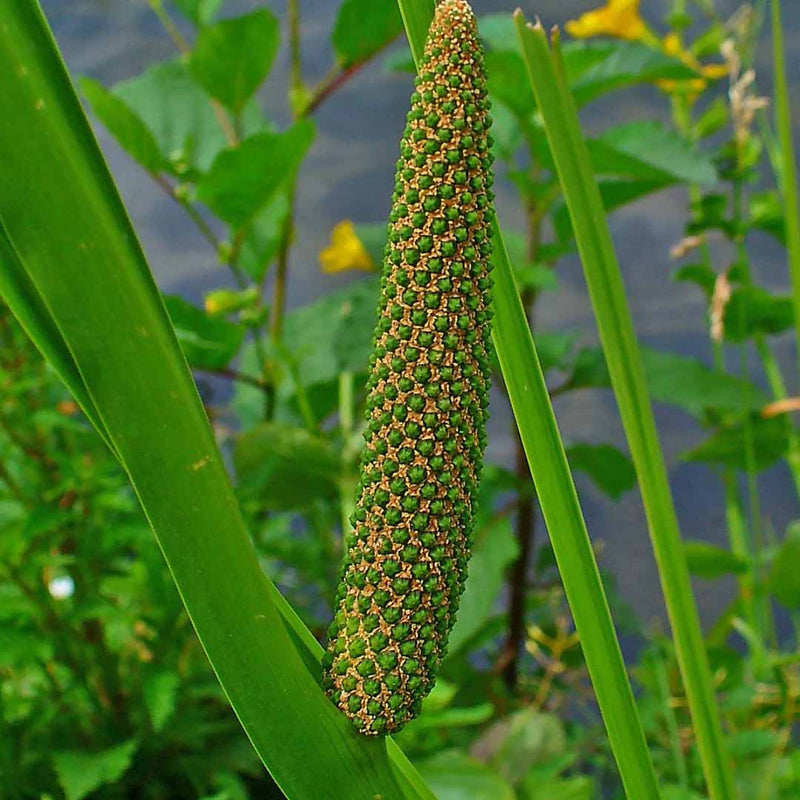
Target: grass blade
(788, 173)
(533, 412)
(73, 269)
(627, 375)
(562, 513)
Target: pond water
(349, 175)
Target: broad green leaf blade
(160, 692)
(607, 292)
(244, 179)
(558, 499)
(691, 385)
(207, 342)
(200, 12)
(523, 740)
(455, 776)
(575, 788)
(529, 274)
(124, 125)
(80, 773)
(609, 468)
(649, 150)
(320, 341)
(286, 467)
(615, 193)
(554, 349)
(708, 561)
(645, 157)
(362, 28)
(678, 380)
(728, 446)
(594, 67)
(505, 79)
(767, 213)
(181, 117)
(700, 275)
(333, 334)
(232, 58)
(262, 243)
(63, 217)
(604, 67)
(784, 578)
(373, 236)
(753, 311)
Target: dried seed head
(406, 561)
(719, 300)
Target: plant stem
(239, 377)
(336, 77)
(295, 57)
(525, 530)
(525, 525)
(281, 272)
(183, 47)
(169, 26)
(282, 262)
(671, 721)
(231, 259)
(764, 616)
(788, 174)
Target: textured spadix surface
(406, 560)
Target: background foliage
(105, 691)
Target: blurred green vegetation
(104, 690)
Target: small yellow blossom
(226, 301)
(710, 72)
(345, 251)
(212, 305)
(715, 71)
(617, 18)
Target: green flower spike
(406, 564)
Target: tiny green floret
(406, 563)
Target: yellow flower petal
(715, 71)
(212, 306)
(672, 46)
(618, 18)
(345, 251)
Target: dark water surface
(349, 174)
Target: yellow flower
(714, 71)
(672, 47)
(345, 251)
(617, 18)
